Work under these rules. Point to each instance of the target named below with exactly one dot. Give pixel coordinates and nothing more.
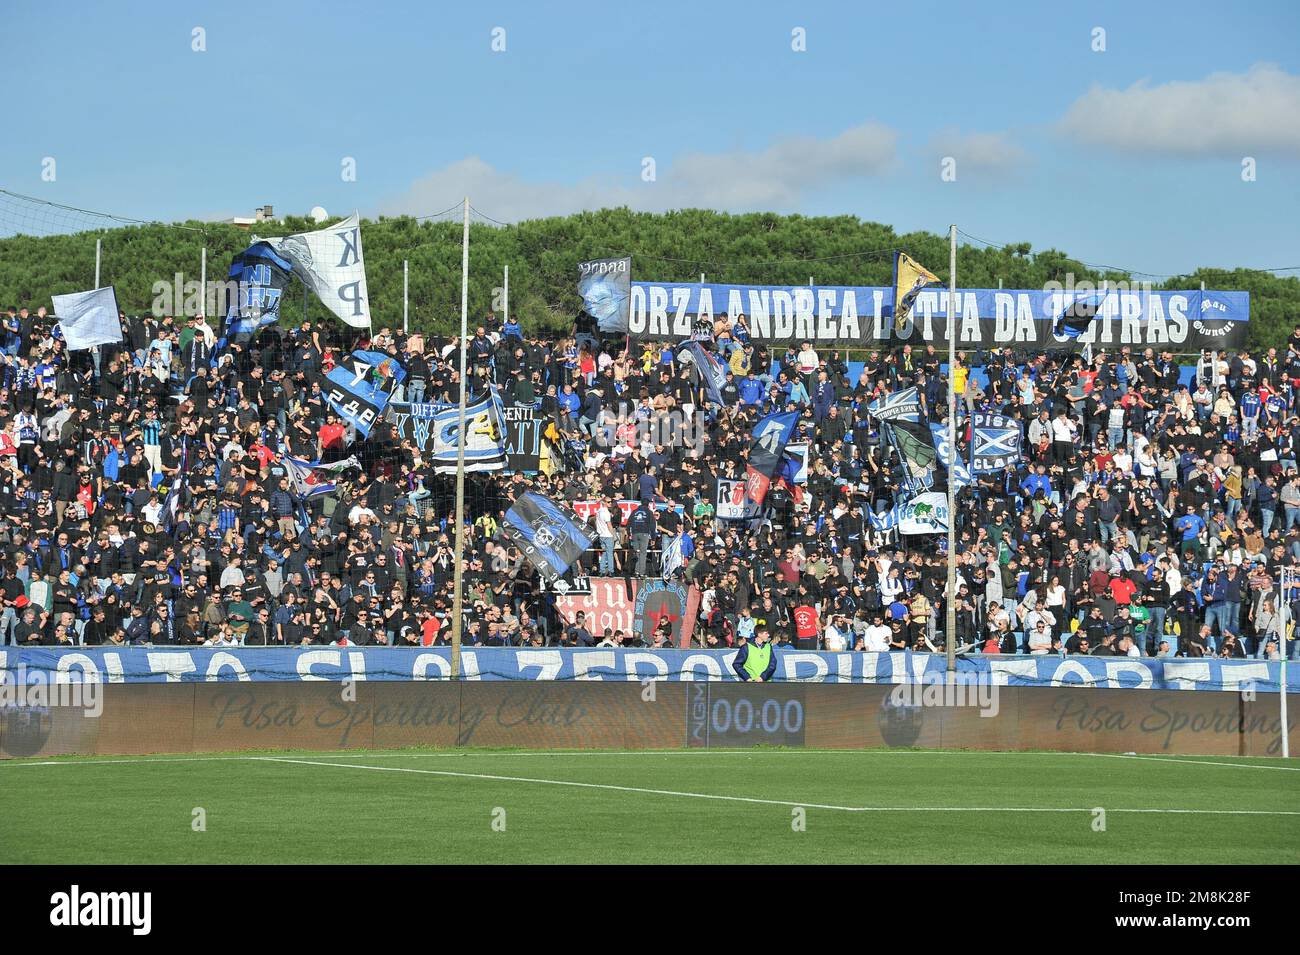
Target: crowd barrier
(298, 664)
(199, 717)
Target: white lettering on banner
(970, 318)
(172, 665)
(987, 317)
(849, 317)
(1156, 330)
(658, 310)
(926, 303)
(783, 314)
(631, 659)
(1003, 312)
(424, 661)
(311, 658)
(825, 305)
(112, 666)
(636, 309)
(548, 662)
(760, 312)
(1071, 668)
(681, 321)
(1246, 674)
(1115, 669)
(1001, 671)
(357, 663)
(1186, 674)
(584, 663)
(710, 664)
(1130, 310)
(1024, 319)
(791, 659)
(803, 315)
(89, 671)
(844, 667)
(704, 311)
(1178, 315)
(221, 661)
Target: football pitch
(684, 806)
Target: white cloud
(775, 178)
(1226, 115)
(981, 152)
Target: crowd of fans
(1150, 515)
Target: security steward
(755, 660)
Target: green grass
(261, 810)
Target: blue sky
(1129, 157)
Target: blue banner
(862, 316)
(545, 534)
(213, 664)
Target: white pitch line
(705, 752)
(1194, 762)
(752, 799)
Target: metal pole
(98, 251)
(406, 296)
(458, 576)
(1281, 643)
(951, 622)
(505, 295)
(203, 282)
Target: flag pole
(406, 295)
(98, 255)
(458, 574)
(950, 624)
(1282, 714)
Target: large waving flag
(771, 435)
(606, 289)
(331, 263)
(961, 474)
(902, 405)
(485, 440)
(359, 391)
(87, 319)
(262, 277)
(909, 278)
(918, 454)
(672, 556)
(1077, 313)
(312, 479)
(709, 371)
(546, 534)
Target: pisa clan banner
(862, 316)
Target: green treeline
(755, 248)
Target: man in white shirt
(837, 634)
(605, 531)
(1039, 637)
(876, 638)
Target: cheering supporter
(147, 497)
